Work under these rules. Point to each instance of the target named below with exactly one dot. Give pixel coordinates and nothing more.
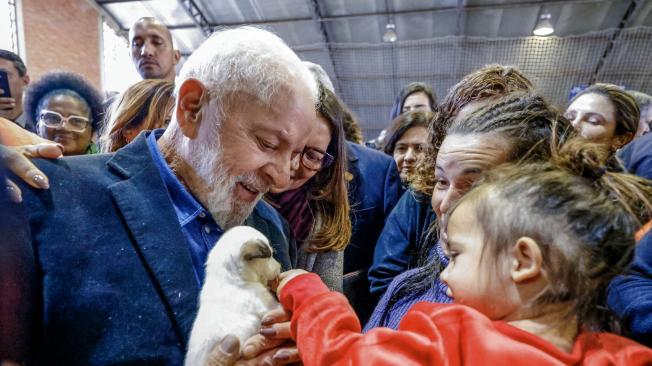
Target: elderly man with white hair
(120, 240)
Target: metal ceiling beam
(461, 17)
(103, 2)
(623, 23)
(197, 16)
(110, 19)
(315, 13)
(446, 9)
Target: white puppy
(235, 294)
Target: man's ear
(192, 94)
(176, 55)
(25, 79)
(526, 260)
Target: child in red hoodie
(531, 250)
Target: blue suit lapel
(144, 203)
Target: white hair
(249, 60)
(242, 60)
(320, 75)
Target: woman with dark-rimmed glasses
(67, 109)
(316, 204)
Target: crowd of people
(488, 227)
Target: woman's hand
(273, 346)
(270, 348)
(16, 159)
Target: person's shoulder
(368, 155)
(70, 167)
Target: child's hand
(284, 278)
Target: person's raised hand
(6, 103)
(16, 159)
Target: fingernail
(40, 181)
(267, 321)
(281, 356)
(268, 362)
(230, 345)
(248, 350)
(268, 332)
(14, 194)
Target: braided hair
(487, 83)
(529, 126)
(582, 215)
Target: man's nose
(146, 49)
(449, 200)
(278, 172)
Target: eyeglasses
(73, 123)
(316, 160)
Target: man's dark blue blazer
(374, 189)
(116, 275)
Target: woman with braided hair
(518, 127)
(403, 236)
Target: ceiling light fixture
(390, 35)
(543, 27)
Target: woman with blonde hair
(146, 105)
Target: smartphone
(4, 85)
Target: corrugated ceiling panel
(169, 12)
(243, 11)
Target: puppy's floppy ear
(254, 249)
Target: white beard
(204, 155)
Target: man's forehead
(7, 65)
(150, 28)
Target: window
(8, 26)
(118, 72)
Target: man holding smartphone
(13, 79)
